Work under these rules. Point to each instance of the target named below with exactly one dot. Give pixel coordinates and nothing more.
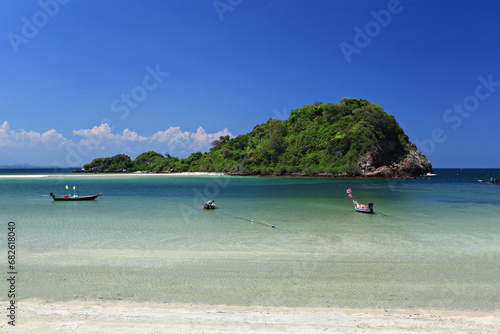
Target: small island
(353, 138)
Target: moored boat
(360, 207)
(74, 197)
(210, 205)
(363, 208)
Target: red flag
(349, 191)
(350, 195)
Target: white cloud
(4, 134)
(22, 139)
(172, 140)
(101, 136)
(51, 136)
(178, 142)
(100, 141)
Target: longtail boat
(210, 205)
(360, 207)
(363, 208)
(74, 197)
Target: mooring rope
(380, 213)
(248, 220)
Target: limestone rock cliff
(414, 164)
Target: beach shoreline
(110, 175)
(210, 174)
(105, 316)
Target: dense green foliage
(315, 138)
(118, 162)
(147, 161)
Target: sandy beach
(32, 176)
(130, 317)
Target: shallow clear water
(432, 244)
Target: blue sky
(82, 79)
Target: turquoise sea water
(433, 243)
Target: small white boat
(430, 174)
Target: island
(353, 138)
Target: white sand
(34, 316)
(24, 176)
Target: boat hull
(79, 198)
(369, 210)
